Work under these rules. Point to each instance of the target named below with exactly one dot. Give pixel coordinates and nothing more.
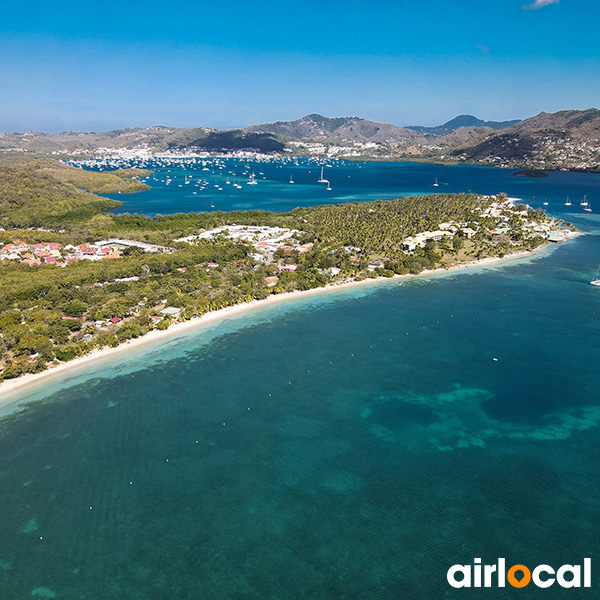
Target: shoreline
(12, 386)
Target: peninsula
(75, 278)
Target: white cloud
(539, 4)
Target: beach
(10, 386)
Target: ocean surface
(349, 182)
(353, 444)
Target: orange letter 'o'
(514, 581)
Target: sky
(93, 66)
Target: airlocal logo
(519, 576)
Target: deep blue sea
(348, 445)
(349, 182)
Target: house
(376, 264)
(288, 267)
(114, 320)
(171, 311)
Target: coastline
(10, 387)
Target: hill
(234, 139)
(565, 139)
(48, 193)
(460, 122)
(318, 127)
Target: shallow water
(353, 444)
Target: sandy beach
(9, 387)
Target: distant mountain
(565, 139)
(153, 138)
(315, 127)
(462, 121)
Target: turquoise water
(350, 182)
(353, 444)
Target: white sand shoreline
(11, 386)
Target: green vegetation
(381, 227)
(95, 182)
(46, 193)
(62, 313)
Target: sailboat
(545, 202)
(568, 202)
(291, 180)
(252, 180)
(596, 280)
(328, 186)
(436, 184)
(584, 202)
(322, 179)
(587, 208)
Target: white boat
(436, 184)
(584, 202)
(545, 202)
(291, 180)
(322, 179)
(587, 208)
(252, 180)
(596, 280)
(328, 186)
(568, 202)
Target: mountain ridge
(564, 139)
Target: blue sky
(95, 66)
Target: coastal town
(54, 253)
